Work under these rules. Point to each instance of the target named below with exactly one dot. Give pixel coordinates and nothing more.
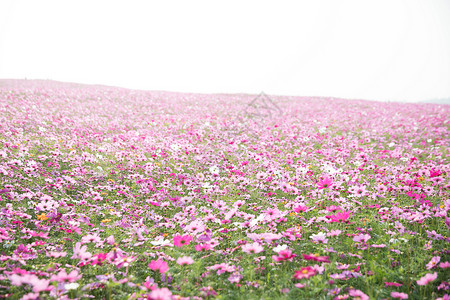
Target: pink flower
(40, 285)
(124, 261)
(392, 284)
(62, 276)
(284, 255)
(334, 232)
(79, 252)
(305, 272)
(325, 183)
(339, 216)
(30, 296)
(252, 248)
(180, 241)
(444, 265)
(202, 247)
(99, 258)
(161, 294)
(185, 260)
(16, 280)
(341, 297)
(316, 257)
(235, 277)
(359, 295)
(56, 254)
(361, 238)
(299, 285)
(399, 295)
(433, 262)
(427, 278)
(320, 237)
(300, 208)
(159, 265)
(110, 240)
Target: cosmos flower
(325, 183)
(319, 238)
(185, 260)
(305, 272)
(339, 216)
(361, 238)
(252, 248)
(433, 262)
(284, 255)
(181, 241)
(158, 265)
(427, 278)
(399, 295)
(358, 295)
(316, 257)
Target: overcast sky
(377, 50)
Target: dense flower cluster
(115, 193)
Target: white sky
(380, 50)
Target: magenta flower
(158, 265)
(180, 241)
(316, 257)
(284, 255)
(339, 216)
(427, 278)
(300, 208)
(392, 284)
(325, 183)
(202, 247)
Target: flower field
(110, 193)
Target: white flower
(255, 221)
(71, 286)
(303, 170)
(8, 244)
(42, 129)
(175, 147)
(206, 185)
(280, 247)
(160, 242)
(214, 170)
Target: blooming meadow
(109, 193)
